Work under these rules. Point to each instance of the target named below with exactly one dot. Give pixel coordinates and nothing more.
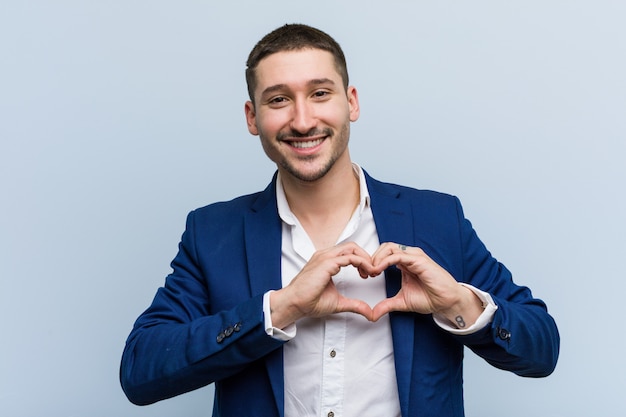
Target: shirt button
(332, 355)
(331, 414)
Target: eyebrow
(311, 83)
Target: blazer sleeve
(192, 336)
(522, 337)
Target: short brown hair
(293, 37)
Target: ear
(353, 103)
(251, 118)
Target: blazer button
(504, 334)
(237, 327)
(229, 331)
(220, 337)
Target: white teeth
(307, 144)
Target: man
(328, 293)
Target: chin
(309, 175)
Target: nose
(303, 117)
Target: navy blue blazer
(206, 324)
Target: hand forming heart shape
(426, 286)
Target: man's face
(302, 112)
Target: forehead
(293, 68)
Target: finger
(355, 256)
(363, 264)
(352, 305)
(367, 271)
(388, 305)
(359, 258)
(400, 255)
(381, 263)
(384, 249)
(390, 248)
(347, 248)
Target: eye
(321, 94)
(277, 101)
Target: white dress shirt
(341, 365)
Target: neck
(324, 207)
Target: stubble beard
(306, 176)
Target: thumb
(352, 305)
(386, 306)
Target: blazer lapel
(263, 242)
(394, 223)
(263, 237)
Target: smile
(306, 144)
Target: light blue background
(118, 117)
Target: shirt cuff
(285, 334)
(483, 320)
